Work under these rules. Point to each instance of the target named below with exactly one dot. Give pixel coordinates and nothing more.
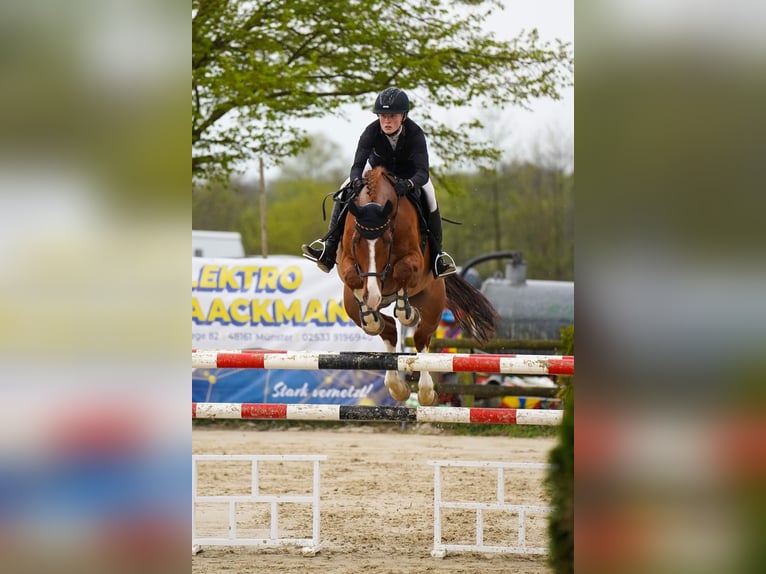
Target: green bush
(560, 479)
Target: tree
(229, 206)
(258, 65)
(524, 207)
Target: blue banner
(289, 387)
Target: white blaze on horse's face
(374, 295)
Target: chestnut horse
(384, 259)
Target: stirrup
(447, 265)
(311, 253)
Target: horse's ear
(388, 208)
(352, 207)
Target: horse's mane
(372, 181)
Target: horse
(383, 258)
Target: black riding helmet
(391, 101)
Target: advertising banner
(277, 303)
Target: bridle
(379, 274)
(373, 233)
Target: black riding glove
(403, 186)
(357, 184)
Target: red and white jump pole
(309, 412)
(433, 362)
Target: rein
(338, 196)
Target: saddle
(417, 198)
(346, 195)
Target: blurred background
(94, 220)
(670, 274)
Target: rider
(399, 144)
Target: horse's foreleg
(406, 313)
(406, 275)
(370, 320)
(397, 388)
(426, 394)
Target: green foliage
(521, 207)
(567, 348)
(567, 340)
(227, 207)
(560, 483)
(292, 206)
(258, 66)
(295, 214)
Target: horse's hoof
(374, 328)
(427, 398)
(399, 391)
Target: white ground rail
(440, 549)
(310, 546)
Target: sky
(526, 130)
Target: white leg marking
(373, 292)
(397, 388)
(426, 394)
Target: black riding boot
(324, 253)
(443, 264)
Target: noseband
(380, 274)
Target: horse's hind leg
(397, 388)
(410, 315)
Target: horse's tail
(473, 311)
